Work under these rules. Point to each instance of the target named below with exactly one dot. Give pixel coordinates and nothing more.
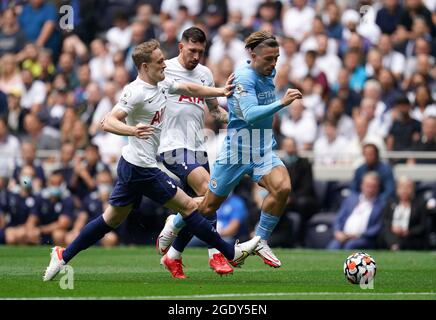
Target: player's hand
(143, 131)
(229, 87)
(291, 95)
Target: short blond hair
(142, 52)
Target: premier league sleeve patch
(240, 90)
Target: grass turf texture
(135, 273)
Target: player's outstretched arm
(253, 112)
(195, 90)
(113, 122)
(216, 111)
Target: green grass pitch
(135, 273)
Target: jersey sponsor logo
(213, 183)
(195, 100)
(266, 95)
(158, 117)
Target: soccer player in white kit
(182, 144)
(139, 114)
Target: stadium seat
(319, 230)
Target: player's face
(155, 68)
(191, 53)
(265, 60)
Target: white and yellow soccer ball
(360, 268)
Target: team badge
(126, 95)
(213, 183)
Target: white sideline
(236, 295)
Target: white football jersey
(143, 103)
(184, 116)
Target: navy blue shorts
(135, 182)
(182, 162)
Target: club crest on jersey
(213, 183)
(125, 97)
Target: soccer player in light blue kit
(249, 142)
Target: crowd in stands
(366, 70)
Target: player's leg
(200, 227)
(278, 184)
(123, 197)
(228, 176)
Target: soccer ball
(360, 268)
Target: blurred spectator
(138, 36)
(343, 90)
(405, 220)
(302, 198)
(427, 141)
(83, 180)
(120, 34)
(299, 124)
(374, 63)
(168, 39)
(55, 213)
(226, 44)
(297, 19)
(101, 64)
(168, 9)
(331, 148)
(327, 60)
(19, 204)
(67, 68)
(84, 78)
(333, 24)
(144, 15)
(9, 148)
(232, 219)
(388, 17)
(335, 113)
(424, 104)
(356, 71)
(66, 164)
(378, 126)
(267, 14)
(405, 130)
(39, 21)
(10, 78)
(215, 16)
(45, 69)
(248, 9)
(359, 220)
(93, 206)
(42, 136)
(28, 158)
(12, 38)
(413, 9)
(3, 104)
(383, 170)
(392, 60)
(15, 114)
(34, 91)
(312, 99)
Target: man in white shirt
(182, 144)
(359, 219)
(139, 114)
